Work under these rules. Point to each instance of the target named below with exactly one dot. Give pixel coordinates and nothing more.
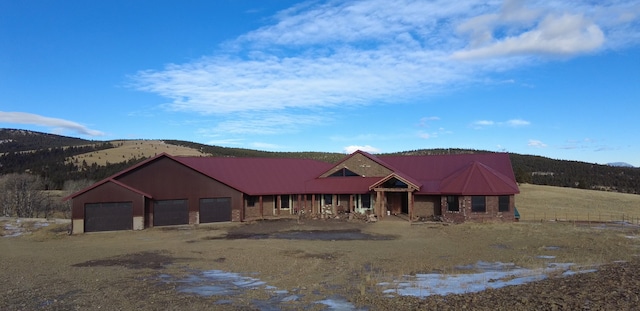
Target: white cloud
(565, 34)
(58, 125)
(318, 56)
(425, 122)
(424, 135)
(536, 143)
(262, 123)
(510, 123)
(367, 148)
(517, 123)
(482, 124)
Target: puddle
(485, 275)
(323, 235)
(143, 260)
(227, 285)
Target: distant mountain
(59, 158)
(620, 164)
(13, 140)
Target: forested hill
(48, 156)
(12, 140)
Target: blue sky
(559, 79)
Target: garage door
(215, 210)
(170, 212)
(108, 216)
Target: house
(172, 190)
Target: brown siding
(426, 206)
(107, 192)
(166, 179)
(268, 205)
(361, 165)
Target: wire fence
(606, 217)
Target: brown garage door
(215, 210)
(170, 212)
(108, 216)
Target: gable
(167, 177)
(361, 165)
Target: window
(327, 198)
(366, 200)
(344, 172)
(452, 203)
(251, 201)
(395, 183)
(478, 204)
(503, 203)
(284, 202)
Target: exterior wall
(268, 205)
(77, 226)
(491, 212)
(138, 223)
(166, 179)
(343, 203)
(362, 166)
(426, 206)
(251, 212)
(107, 192)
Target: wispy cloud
(517, 123)
(481, 124)
(545, 32)
(318, 56)
(536, 143)
(58, 125)
(426, 121)
(367, 148)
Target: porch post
(278, 204)
(334, 205)
(261, 207)
(379, 204)
(410, 202)
(351, 207)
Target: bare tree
(71, 186)
(21, 195)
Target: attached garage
(215, 210)
(170, 212)
(109, 216)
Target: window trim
(282, 206)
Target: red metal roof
(259, 176)
(431, 170)
(104, 181)
(470, 174)
(478, 179)
(340, 185)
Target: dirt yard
(318, 265)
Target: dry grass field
(128, 149)
(568, 204)
(171, 268)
